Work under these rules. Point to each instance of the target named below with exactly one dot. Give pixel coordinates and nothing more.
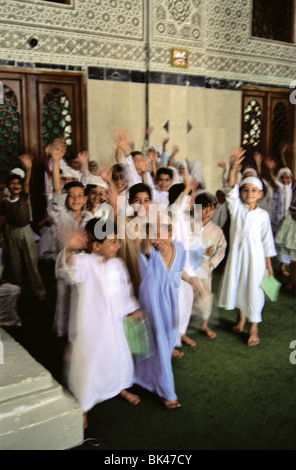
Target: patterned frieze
(139, 35)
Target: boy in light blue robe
(160, 270)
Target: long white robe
(101, 363)
(251, 241)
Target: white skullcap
(252, 180)
(97, 181)
(18, 171)
(250, 170)
(282, 171)
(67, 172)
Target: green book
(271, 287)
(138, 336)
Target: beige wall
(215, 117)
(112, 106)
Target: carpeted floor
(233, 397)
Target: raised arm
(26, 161)
(236, 157)
(83, 158)
(76, 241)
(57, 153)
(258, 160)
(152, 156)
(123, 148)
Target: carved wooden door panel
(268, 123)
(36, 108)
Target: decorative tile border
(137, 76)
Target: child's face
(181, 170)
(207, 213)
(141, 199)
(270, 163)
(250, 193)
(109, 248)
(15, 187)
(76, 199)
(119, 181)
(163, 237)
(248, 174)
(93, 167)
(220, 197)
(75, 164)
(138, 161)
(96, 196)
(67, 179)
(164, 182)
(286, 179)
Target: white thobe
(101, 363)
(251, 241)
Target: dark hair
(88, 188)
(205, 199)
(139, 188)
(175, 191)
(13, 176)
(73, 184)
(119, 168)
(99, 229)
(136, 152)
(164, 171)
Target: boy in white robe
(164, 180)
(101, 363)
(251, 247)
(214, 245)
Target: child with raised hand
(65, 211)
(161, 263)
(214, 245)
(66, 206)
(280, 208)
(19, 238)
(164, 179)
(101, 363)
(250, 251)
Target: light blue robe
(158, 297)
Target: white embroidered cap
(252, 180)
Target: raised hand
(175, 150)
(237, 155)
(83, 157)
(222, 165)
(75, 240)
(105, 173)
(258, 159)
(26, 160)
(58, 150)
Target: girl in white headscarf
(280, 205)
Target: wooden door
(268, 123)
(37, 108)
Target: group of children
(140, 240)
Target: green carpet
(233, 397)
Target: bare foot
(240, 323)
(177, 354)
(171, 404)
(253, 340)
(130, 397)
(290, 286)
(209, 333)
(283, 271)
(85, 423)
(253, 335)
(186, 340)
